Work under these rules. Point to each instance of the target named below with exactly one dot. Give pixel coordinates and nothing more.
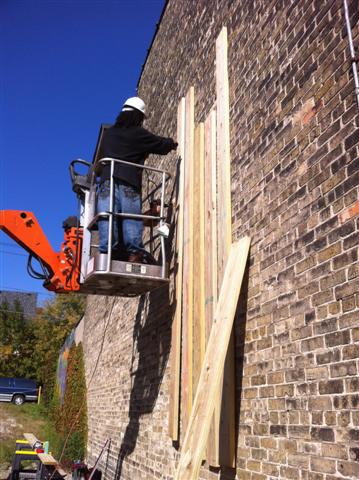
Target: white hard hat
(134, 103)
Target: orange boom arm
(63, 266)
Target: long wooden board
(31, 439)
(224, 446)
(223, 154)
(210, 380)
(47, 459)
(187, 317)
(175, 358)
(210, 199)
(210, 267)
(199, 333)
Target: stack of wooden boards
(204, 238)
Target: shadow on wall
(227, 473)
(152, 340)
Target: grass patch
(27, 418)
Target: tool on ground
(31, 463)
(80, 471)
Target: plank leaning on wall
(187, 316)
(173, 420)
(212, 371)
(224, 446)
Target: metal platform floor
(124, 279)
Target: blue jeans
(126, 200)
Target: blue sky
(66, 67)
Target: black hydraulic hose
(33, 273)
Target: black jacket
(132, 144)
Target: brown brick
(349, 320)
(276, 404)
(351, 351)
(330, 252)
(270, 469)
(334, 308)
(333, 279)
(349, 469)
(349, 303)
(289, 445)
(328, 357)
(258, 380)
(318, 373)
(323, 434)
(250, 393)
(331, 386)
(337, 338)
(322, 465)
(327, 325)
(295, 375)
(323, 297)
(290, 473)
(352, 384)
(312, 344)
(346, 290)
(347, 258)
(265, 392)
(332, 450)
(269, 443)
(275, 378)
(286, 390)
(302, 332)
(330, 418)
(350, 213)
(343, 369)
(354, 453)
(305, 264)
(343, 419)
(308, 290)
(299, 431)
(299, 461)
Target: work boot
(142, 257)
(135, 257)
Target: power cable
(13, 245)
(13, 253)
(19, 290)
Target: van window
(4, 382)
(24, 383)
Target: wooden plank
(223, 155)
(175, 359)
(47, 459)
(31, 439)
(187, 314)
(199, 334)
(224, 446)
(210, 182)
(213, 366)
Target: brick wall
(294, 145)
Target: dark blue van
(18, 390)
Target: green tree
(51, 327)
(16, 342)
(71, 418)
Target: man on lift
(127, 140)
